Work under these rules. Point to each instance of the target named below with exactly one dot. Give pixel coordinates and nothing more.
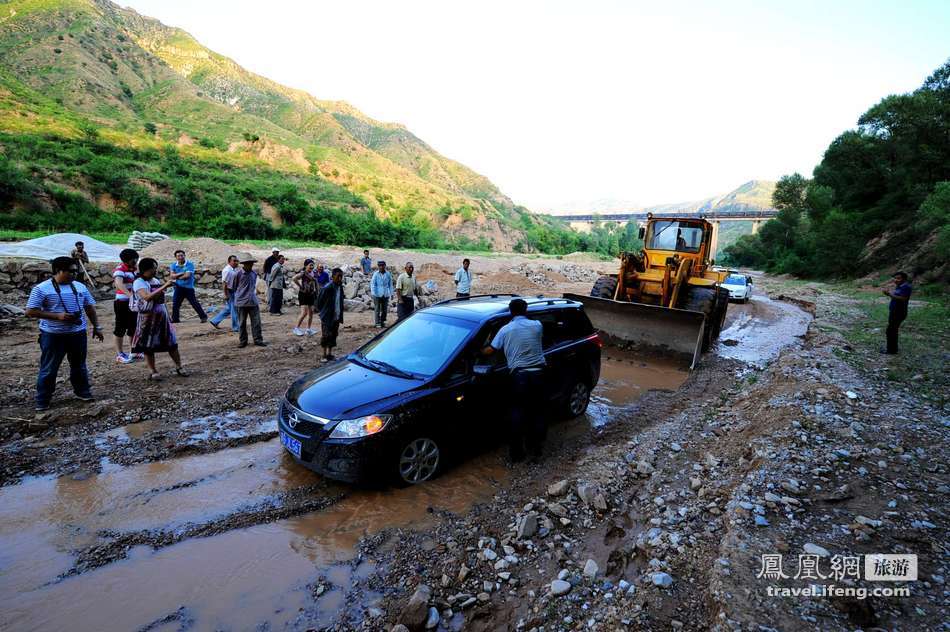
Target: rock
(483, 597)
(645, 468)
(814, 549)
(851, 395)
(590, 569)
(557, 510)
(563, 574)
(399, 628)
(433, 619)
(416, 612)
(527, 526)
(350, 305)
(463, 573)
(560, 587)
(659, 501)
(772, 498)
(695, 483)
(489, 555)
(868, 522)
(559, 488)
(468, 602)
(675, 447)
(663, 580)
(760, 521)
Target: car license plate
(292, 445)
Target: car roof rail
(468, 298)
(542, 300)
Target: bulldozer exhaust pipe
(664, 330)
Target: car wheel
(418, 461)
(577, 399)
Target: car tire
(578, 397)
(418, 460)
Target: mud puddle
(624, 378)
(756, 332)
(296, 572)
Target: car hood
(730, 286)
(344, 389)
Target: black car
(397, 406)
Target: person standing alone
(366, 263)
(183, 272)
(897, 310)
(62, 305)
(520, 340)
(406, 290)
(463, 280)
(244, 288)
(330, 306)
(276, 285)
(381, 287)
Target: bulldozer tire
(703, 299)
(604, 287)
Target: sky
(564, 103)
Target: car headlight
(360, 427)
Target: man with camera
(63, 305)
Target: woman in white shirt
(154, 333)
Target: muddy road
(171, 506)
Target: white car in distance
(739, 286)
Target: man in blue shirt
(381, 287)
(184, 274)
(63, 305)
(897, 310)
(366, 263)
(520, 340)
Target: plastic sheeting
(59, 245)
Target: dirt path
(183, 512)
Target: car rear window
(735, 279)
(563, 325)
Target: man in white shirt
(229, 309)
(520, 340)
(463, 280)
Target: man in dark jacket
(330, 306)
(897, 310)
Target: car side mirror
(642, 233)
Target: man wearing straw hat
(243, 286)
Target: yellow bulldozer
(668, 296)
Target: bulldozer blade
(676, 332)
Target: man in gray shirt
(243, 286)
(520, 340)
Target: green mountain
(89, 71)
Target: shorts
(306, 298)
(125, 319)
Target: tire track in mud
(294, 503)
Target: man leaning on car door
(520, 340)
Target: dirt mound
(199, 250)
(508, 281)
(434, 270)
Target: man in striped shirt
(62, 305)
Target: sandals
(182, 372)
(155, 377)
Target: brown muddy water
(299, 572)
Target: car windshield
(673, 235)
(735, 279)
(419, 345)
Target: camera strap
(60, 295)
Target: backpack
(138, 304)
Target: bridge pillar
(756, 223)
(714, 239)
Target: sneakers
(311, 332)
(260, 344)
(138, 356)
(298, 331)
(124, 358)
(86, 398)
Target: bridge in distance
(583, 221)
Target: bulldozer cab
(688, 238)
